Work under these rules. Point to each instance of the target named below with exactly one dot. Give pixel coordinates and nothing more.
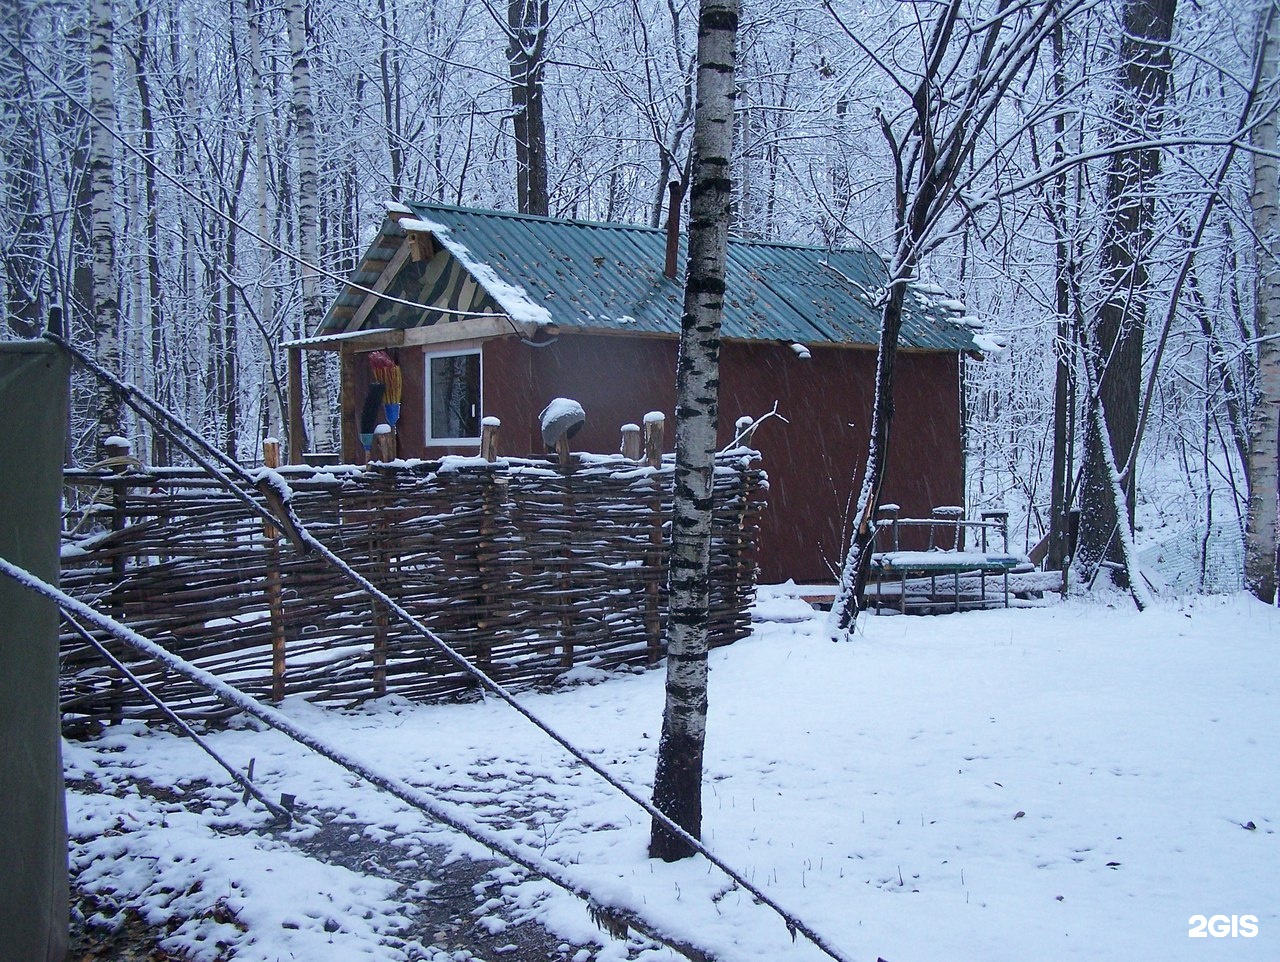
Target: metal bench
(946, 557)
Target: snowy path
(1072, 782)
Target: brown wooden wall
(811, 461)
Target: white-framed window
(453, 397)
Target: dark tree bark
(1146, 63)
(1064, 394)
(677, 789)
(527, 26)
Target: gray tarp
(33, 820)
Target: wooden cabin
(489, 313)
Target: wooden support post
(631, 442)
(744, 430)
(297, 433)
(275, 599)
(489, 439)
(349, 403)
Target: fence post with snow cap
(560, 420)
(630, 446)
(489, 428)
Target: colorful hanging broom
(386, 371)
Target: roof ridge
(540, 218)
(614, 225)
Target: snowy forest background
(296, 120)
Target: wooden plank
(349, 405)
(296, 430)
(468, 328)
(380, 285)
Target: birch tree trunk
(272, 416)
(308, 220)
(677, 788)
(1146, 63)
(1264, 425)
(22, 255)
(105, 309)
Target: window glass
(454, 389)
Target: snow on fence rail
(528, 567)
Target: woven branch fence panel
(527, 568)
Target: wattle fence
(531, 569)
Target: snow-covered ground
(1070, 782)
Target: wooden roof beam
(380, 285)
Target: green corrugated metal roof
(610, 277)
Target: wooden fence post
(492, 594)
(380, 568)
(275, 600)
(566, 565)
(654, 425)
(489, 439)
(384, 444)
(741, 574)
(631, 442)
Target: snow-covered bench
(904, 572)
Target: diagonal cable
(276, 490)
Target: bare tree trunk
(392, 95)
(527, 25)
(949, 112)
(308, 220)
(1096, 429)
(857, 565)
(677, 788)
(1064, 382)
(155, 316)
(1146, 64)
(1264, 425)
(105, 303)
(22, 255)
